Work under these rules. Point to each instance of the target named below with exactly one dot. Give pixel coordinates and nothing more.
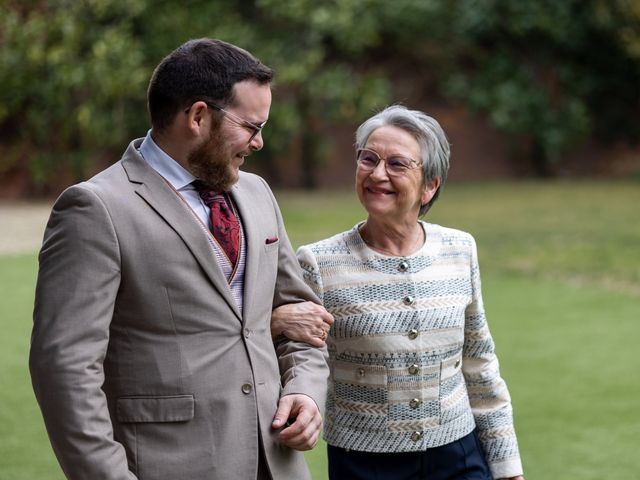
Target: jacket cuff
(508, 468)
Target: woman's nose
(380, 170)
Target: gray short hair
(434, 146)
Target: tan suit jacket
(140, 360)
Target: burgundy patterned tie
(224, 223)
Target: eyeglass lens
(369, 160)
(255, 129)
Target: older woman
(415, 389)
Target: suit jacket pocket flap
(171, 408)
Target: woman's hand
(305, 322)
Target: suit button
(413, 334)
(247, 332)
(246, 388)
(416, 436)
(414, 369)
(403, 266)
(415, 403)
(408, 300)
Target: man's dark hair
(202, 69)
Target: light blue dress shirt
(176, 175)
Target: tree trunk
(540, 161)
(309, 159)
(311, 143)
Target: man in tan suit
(151, 354)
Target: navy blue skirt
(459, 460)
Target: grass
(25, 453)
(568, 356)
(578, 232)
(561, 276)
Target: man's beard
(211, 164)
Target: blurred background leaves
(548, 74)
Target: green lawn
(577, 232)
(561, 281)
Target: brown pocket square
(271, 240)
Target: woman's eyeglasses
(395, 164)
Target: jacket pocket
(273, 246)
(151, 409)
(359, 391)
(450, 367)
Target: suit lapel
(155, 191)
(246, 205)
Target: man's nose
(257, 142)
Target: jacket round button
(413, 334)
(408, 300)
(415, 403)
(416, 436)
(246, 388)
(403, 266)
(414, 369)
(361, 372)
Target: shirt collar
(166, 166)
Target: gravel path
(22, 226)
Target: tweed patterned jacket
(413, 364)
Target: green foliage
(74, 72)
(554, 71)
(312, 46)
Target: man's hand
(304, 418)
(305, 322)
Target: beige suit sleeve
(78, 280)
(303, 368)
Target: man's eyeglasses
(255, 128)
(394, 165)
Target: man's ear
(197, 120)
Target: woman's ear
(429, 190)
